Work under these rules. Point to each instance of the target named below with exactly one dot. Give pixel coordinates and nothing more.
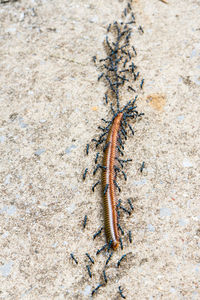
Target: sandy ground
(51, 106)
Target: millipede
(109, 171)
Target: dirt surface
(51, 106)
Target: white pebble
(6, 268)
(39, 151)
(87, 290)
(150, 228)
(7, 179)
(140, 182)
(2, 139)
(187, 163)
(180, 118)
(183, 222)
(165, 212)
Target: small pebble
(140, 182)
(187, 163)
(39, 152)
(150, 228)
(165, 212)
(69, 149)
(6, 268)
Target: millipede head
(115, 245)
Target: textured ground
(51, 105)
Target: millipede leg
(109, 257)
(121, 244)
(104, 276)
(122, 231)
(102, 248)
(120, 260)
(117, 186)
(96, 157)
(97, 233)
(130, 236)
(130, 203)
(84, 174)
(124, 174)
(96, 289)
(84, 221)
(105, 190)
(121, 292)
(74, 259)
(89, 271)
(87, 149)
(142, 167)
(90, 258)
(93, 187)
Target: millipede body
(108, 179)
